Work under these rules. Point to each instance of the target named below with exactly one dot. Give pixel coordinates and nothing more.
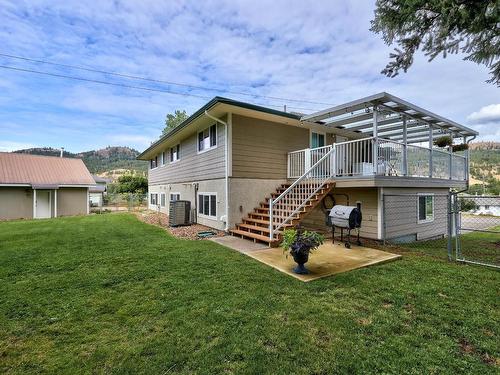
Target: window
(162, 199)
(163, 158)
(175, 153)
(153, 199)
(175, 197)
(317, 139)
(425, 208)
(207, 204)
(154, 162)
(207, 139)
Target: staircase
(256, 225)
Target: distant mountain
(104, 161)
(485, 160)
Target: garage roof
(36, 170)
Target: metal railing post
(375, 140)
(431, 142)
(405, 148)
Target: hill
(103, 161)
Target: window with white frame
(317, 139)
(153, 199)
(163, 158)
(207, 139)
(425, 208)
(207, 204)
(153, 163)
(162, 199)
(175, 197)
(175, 153)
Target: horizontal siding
(368, 198)
(401, 213)
(193, 166)
(260, 147)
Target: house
(483, 204)
(33, 186)
(255, 171)
(97, 191)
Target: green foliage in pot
(443, 141)
(301, 242)
(460, 147)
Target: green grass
(109, 294)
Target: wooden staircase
(256, 225)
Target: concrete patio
(329, 259)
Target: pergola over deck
(386, 116)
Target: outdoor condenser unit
(179, 213)
(346, 217)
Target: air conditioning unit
(179, 213)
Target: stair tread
(253, 227)
(254, 235)
(261, 221)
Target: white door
(42, 204)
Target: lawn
(110, 294)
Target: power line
(132, 86)
(162, 81)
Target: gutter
(226, 166)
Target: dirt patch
(189, 232)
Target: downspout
(226, 165)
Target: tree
(440, 27)
(132, 183)
(173, 120)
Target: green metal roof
(210, 104)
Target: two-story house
(254, 171)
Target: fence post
(450, 229)
(383, 219)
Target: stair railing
(284, 208)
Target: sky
(320, 51)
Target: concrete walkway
(329, 259)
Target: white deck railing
(356, 159)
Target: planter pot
(301, 258)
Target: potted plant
(460, 147)
(300, 243)
(443, 141)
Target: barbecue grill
(346, 217)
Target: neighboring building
(484, 205)
(229, 157)
(33, 186)
(97, 191)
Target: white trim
(170, 161)
(209, 204)
(15, 185)
(88, 201)
(418, 208)
(55, 202)
(198, 139)
(34, 203)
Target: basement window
(153, 199)
(425, 208)
(207, 139)
(207, 205)
(175, 197)
(162, 199)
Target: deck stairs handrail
(288, 204)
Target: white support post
(450, 151)
(375, 140)
(55, 203)
(34, 203)
(307, 159)
(431, 142)
(405, 147)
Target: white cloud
(486, 114)
(8, 146)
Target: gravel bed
(187, 232)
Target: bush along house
(254, 171)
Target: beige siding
(401, 213)
(368, 198)
(260, 147)
(72, 201)
(16, 203)
(192, 166)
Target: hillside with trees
(109, 160)
(485, 168)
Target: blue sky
(320, 51)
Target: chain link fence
(477, 224)
(114, 202)
(463, 228)
(417, 222)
